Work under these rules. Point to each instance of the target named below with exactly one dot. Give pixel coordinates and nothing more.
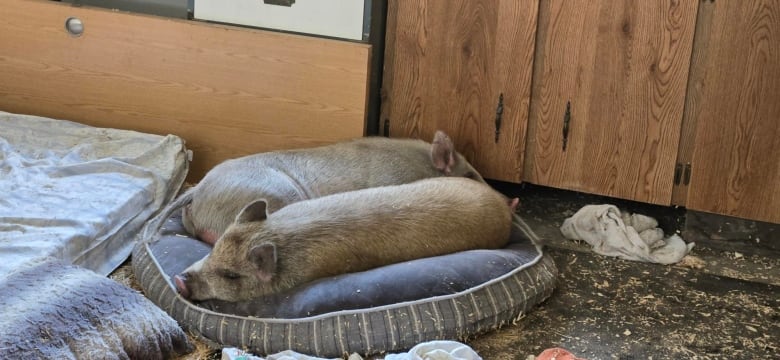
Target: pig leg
(208, 236)
(513, 204)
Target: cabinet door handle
(566, 121)
(499, 114)
(287, 3)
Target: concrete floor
(724, 305)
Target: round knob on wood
(74, 26)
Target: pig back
(360, 230)
(227, 188)
(285, 177)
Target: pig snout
(181, 285)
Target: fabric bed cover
(79, 193)
(392, 308)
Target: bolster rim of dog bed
(385, 328)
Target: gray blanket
(80, 193)
(60, 311)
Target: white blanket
(80, 193)
(431, 350)
(632, 237)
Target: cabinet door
(227, 91)
(735, 169)
(447, 64)
(622, 66)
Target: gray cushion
(387, 309)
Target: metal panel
(340, 19)
(169, 8)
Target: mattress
(80, 194)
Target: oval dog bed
(388, 309)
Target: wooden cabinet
(448, 64)
(228, 91)
(733, 111)
(662, 101)
(616, 71)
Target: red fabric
(557, 354)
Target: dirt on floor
(607, 308)
(716, 304)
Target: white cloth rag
(431, 350)
(628, 236)
(437, 350)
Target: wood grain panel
(624, 67)
(736, 158)
(227, 91)
(447, 63)
(693, 97)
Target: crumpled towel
(431, 350)
(628, 236)
(437, 350)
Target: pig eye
(470, 175)
(229, 274)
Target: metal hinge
(677, 173)
(279, 2)
(499, 114)
(566, 121)
(682, 173)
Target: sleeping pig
(284, 177)
(262, 253)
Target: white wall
(336, 18)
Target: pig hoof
(181, 286)
(209, 237)
(513, 203)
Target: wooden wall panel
(227, 91)
(624, 67)
(736, 157)
(446, 64)
(693, 98)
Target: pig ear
(255, 211)
(263, 256)
(443, 152)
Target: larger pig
(284, 177)
(262, 253)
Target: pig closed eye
(227, 274)
(470, 175)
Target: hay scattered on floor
(692, 262)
